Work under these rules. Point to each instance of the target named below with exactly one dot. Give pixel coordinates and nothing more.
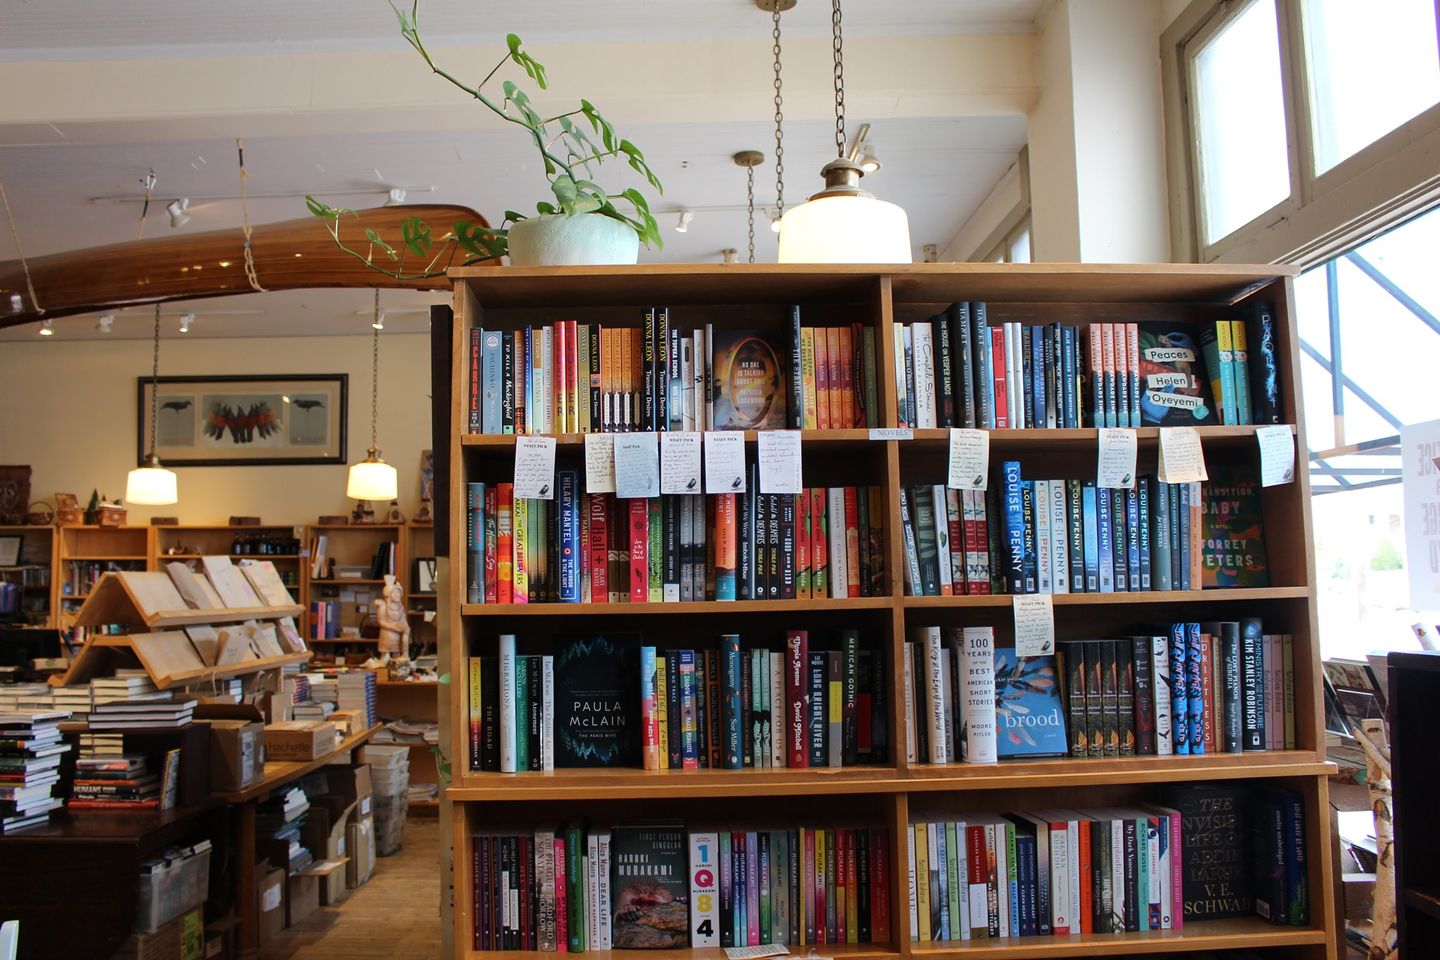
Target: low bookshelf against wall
(86, 554)
(27, 571)
(725, 719)
(343, 575)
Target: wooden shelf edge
(859, 951)
(231, 670)
(1222, 595)
(190, 618)
(630, 783)
(1097, 772)
(653, 609)
(1201, 935)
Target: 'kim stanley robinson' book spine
(1252, 684)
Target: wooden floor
(396, 915)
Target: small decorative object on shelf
(110, 515)
(333, 520)
(164, 521)
(41, 514)
(394, 515)
(67, 510)
(394, 625)
(424, 514)
(364, 512)
(244, 521)
(14, 493)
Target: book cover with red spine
(562, 897)
(957, 542)
(639, 510)
(879, 885)
(982, 537)
(852, 543)
(836, 363)
(819, 544)
(802, 546)
(560, 362)
(1000, 376)
(841, 858)
(797, 696)
(572, 376)
(1107, 374)
(504, 544)
(857, 375)
(598, 547)
(492, 535)
(1087, 888)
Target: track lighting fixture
(185, 320)
(379, 322)
(683, 225)
(396, 198)
(47, 328)
(105, 323)
(176, 209)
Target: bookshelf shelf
(896, 793)
(1249, 933)
(846, 951)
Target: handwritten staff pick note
(1034, 624)
(1182, 460)
(680, 463)
(599, 463)
(637, 466)
(779, 461)
(969, 459)
(535, 468)
(1115, 466)
(724, 461)
(1277, 455)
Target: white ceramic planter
(585, 241)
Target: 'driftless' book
(650, 886)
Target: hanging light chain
(374, 370)
(155, 383)
(779, 120)
(839, 79)
(750, 208)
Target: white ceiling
(83, 29)
(937, 167)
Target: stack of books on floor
(277, 825)
(355, 692)
(31, 751)
(115, 783)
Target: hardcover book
(1029, 716)
(1233, 552)
(750, 383)
(1214, 849)
(595, 695)
(1175, 390)
(650, 886)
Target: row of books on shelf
(957, 370)
(655, 886)
(126, 782)
(571, 377)
(613, 701)
(1189, 689)
(324, 567)
(595, 548)
(80, 576)
(1068, 536)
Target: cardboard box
(360, 840)
(331, 874)
(349, 722)
(182, 938)
(324, 833)
(300, 740)
(237, 753)
(351, 783)
(270, 894)
(302, 897)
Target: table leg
(248, 932)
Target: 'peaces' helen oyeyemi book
(1215, 856)
(1233, 552)
(1174, 390)
(750, 383)
(650, 887)
(1029, 718)
(596, 698)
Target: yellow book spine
(520, 537)
(477, 693)
(922, 883)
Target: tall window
(1297, 125)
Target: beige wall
(68, 410)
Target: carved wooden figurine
(394, 625)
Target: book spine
(1264, 366)
(1143, 685)
(944, 383)
(1132, 539)
(1162, 684)
(475, 543)
(1014, 526)
(1180, 689)
(1105, 529)
(1252, 684)
(568, 490)
(978, 742)
(520, 541)
(985, 385)
(509, 716)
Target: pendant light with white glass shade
(843, 223)
(150, 484)
(373, 478)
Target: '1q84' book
(650, 887)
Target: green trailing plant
(570, 156)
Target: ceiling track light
(47, 328)
(176, 209)
(863, 151)
(682, 225)
(186, 319)
(396, 197)
(105, 323)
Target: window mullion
(1300, 121)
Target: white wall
(68, 410)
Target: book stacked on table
(958, 369)
(1068, 536)
(611, 700)
(75, 700)
(169, 713)
(277, 823)
(102, 744)
(115, 783)
(31, 751)
(660, 887)
(596, 548)
(313, 710)
(15, 697)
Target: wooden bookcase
(113, 548)
(896, 793)
(37, 562)
(420, 545)
(348, 545)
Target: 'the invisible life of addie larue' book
(1174, 390)
(650, 887)
(596, 696)
(1029, 718)
(749, 382)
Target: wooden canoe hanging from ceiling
(289, 255)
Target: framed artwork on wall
(227, 421)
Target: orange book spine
(726, 546)
(802, 546)
(837, 380)
(822, 381)
(847, 377)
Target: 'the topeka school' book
(596, 695)
(1233, 552)
(1174, 391)
(1029, 718)
(749, 382)
(650, 887)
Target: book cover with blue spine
(1180, 689)
(490, 381)
(1183, 524)
(1026, 884)
(532, 416)
(1027, 526)
(1037, 376)
(730, 719)
(942, 876)
(689, 728)
(1117, 541)
(1014, 526)
(1142, 514)
(1132, 537)
(1105, 531)
(1068, 380)
(567, 485)
(1092, 536)
(1029, 717)
(1194, 687)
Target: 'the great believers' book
(596, 694)
(650, 887)
(1029, 717)
(749, 385)
(1233, 552)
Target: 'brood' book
(596, 697)
(650, 887)
(1029, 717)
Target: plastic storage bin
(177, 881)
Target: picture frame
(245, 420)
(425, 575)
(10, 547)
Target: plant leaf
(416, 234)
(544, 208)
(374, 238)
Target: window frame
(1378, 186)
